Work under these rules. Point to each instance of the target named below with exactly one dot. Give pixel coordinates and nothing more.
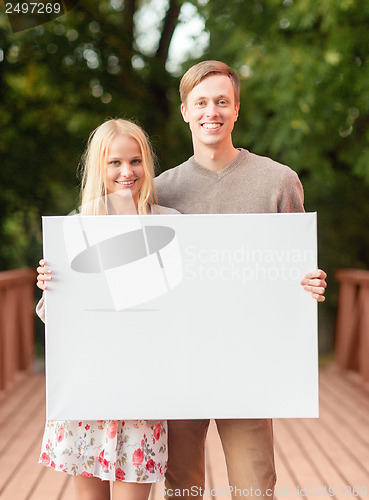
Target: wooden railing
(17, 319)
(352, 327)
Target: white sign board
(180, 316)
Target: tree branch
(170, 23)
(129, 11)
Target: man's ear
(236, 111)
(184, 113)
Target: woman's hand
(315, 284)
(43, 276)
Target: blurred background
(304, 102)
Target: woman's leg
(131, 491)
(91, 488)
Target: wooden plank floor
(311, 454)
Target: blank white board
(180, 316)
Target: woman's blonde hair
(93, 195)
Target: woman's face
(124, 169)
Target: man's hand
(43, 276)
(315, 284)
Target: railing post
(16, 323)
(27, 327)
(10, 335)
(364, 333)
(352, 326)
(346, 326)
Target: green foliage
(60, 80)
(21, 227)
(343, 236)
(305, 98)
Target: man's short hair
(202, 70)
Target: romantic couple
(217, 179)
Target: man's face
(210, 111)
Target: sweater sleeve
(160, 210)
(40, 308)
(162, 192)
(292, 195)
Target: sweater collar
(225, 171)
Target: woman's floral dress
(131, 450)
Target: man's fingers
(318, 297)
(315, 290)
(319, 273)
(314, 282)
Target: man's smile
(211, 125)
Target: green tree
(305, 72)
(58, 81)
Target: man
(222, 179)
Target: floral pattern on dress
(131, 451)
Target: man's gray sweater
(249, 184)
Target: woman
(118, 171)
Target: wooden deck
(311, 454)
